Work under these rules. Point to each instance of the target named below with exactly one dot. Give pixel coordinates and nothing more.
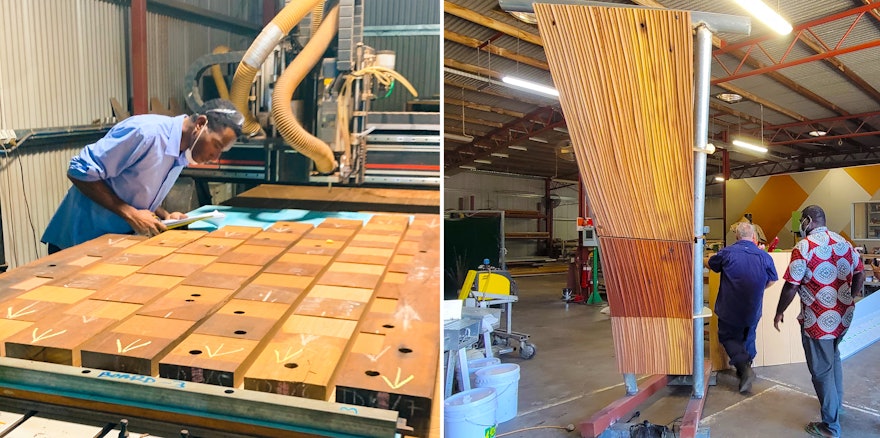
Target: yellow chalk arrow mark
(218, 353)
(21, 312)
(45, 335)
(89, 319)
(287, 356)
(397, 383)
(307, 338)
(130, 346)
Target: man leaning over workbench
(746, 271)
(120, 181)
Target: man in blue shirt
(745, 271)
(120, 181)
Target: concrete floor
(574, 375)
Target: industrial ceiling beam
(493, 49)
(491, 23)
(534, 123)
(470, 68)
(473, 120)
(486, 90)
(483, 108)
(799, 30)
(839, 128)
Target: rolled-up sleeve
(109, 156)
(717, 261)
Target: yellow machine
(495, 287)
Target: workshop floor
(574, 375)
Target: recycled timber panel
(625, 78)
(653, 345)
(292, 309)
(648, 277)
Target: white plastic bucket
(477, 364)
(504, 379)
(470, 414)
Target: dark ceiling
(821, 77)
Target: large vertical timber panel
(625, 78)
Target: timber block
(352, 275)
(9, 328)
(174, 238)
(135, 345)
(331, 308)
(235, 232)
(243, 319)
(222, 275)
(296, 364)
(180, 265)
(365, 255)
(137, 288)
(268, 294)
(191, 303)
(57, 294)
(270, 238)
(248, 254)
(215, 246)
(56, 340)
(214, 360)
(30, 310)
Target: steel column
(139, 83)
(703, 51)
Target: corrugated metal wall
(418, 54)
(61, 62)
(173, 45)
(32, 184)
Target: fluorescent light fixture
(765, 14)
(499, 155)
(518, 148)
(468, 167)
(749, 146)
(483, 161)
(459, 138)
(719, 178)
(562, 130)
(817, 133)
(729, 97)
(531, 86)
(539, 140)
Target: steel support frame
(754, 44)
(209, 406)
(838, 128)
(822, 161)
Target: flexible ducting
(259, 51)
(317, 18)
(218, 74)
(294, 134)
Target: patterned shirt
(822, 266)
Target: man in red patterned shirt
(824, 271)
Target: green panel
(467, 241)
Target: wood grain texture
(625, 78)
(135, 345)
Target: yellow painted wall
(771, 200)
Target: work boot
(746, 376)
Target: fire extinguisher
(586, 276)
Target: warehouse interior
(807, 99)
(292, 306)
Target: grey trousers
(823, 361)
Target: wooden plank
(268, 293)
(173, 238)
(235, 232)
(57, 294)
(214, 246)
(222, 275)
(214, 360)
(340, 199)
(180, 265)
(135, 345)
(56, 340)
(296, 364)
(247, 254)
(670, 341)
(365, 255)
(243, 319)
(29, 310)
(9, 328)
(186, 302)
(137, 288)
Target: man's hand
(145, 223)
(777, 320)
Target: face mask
(188, 153)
